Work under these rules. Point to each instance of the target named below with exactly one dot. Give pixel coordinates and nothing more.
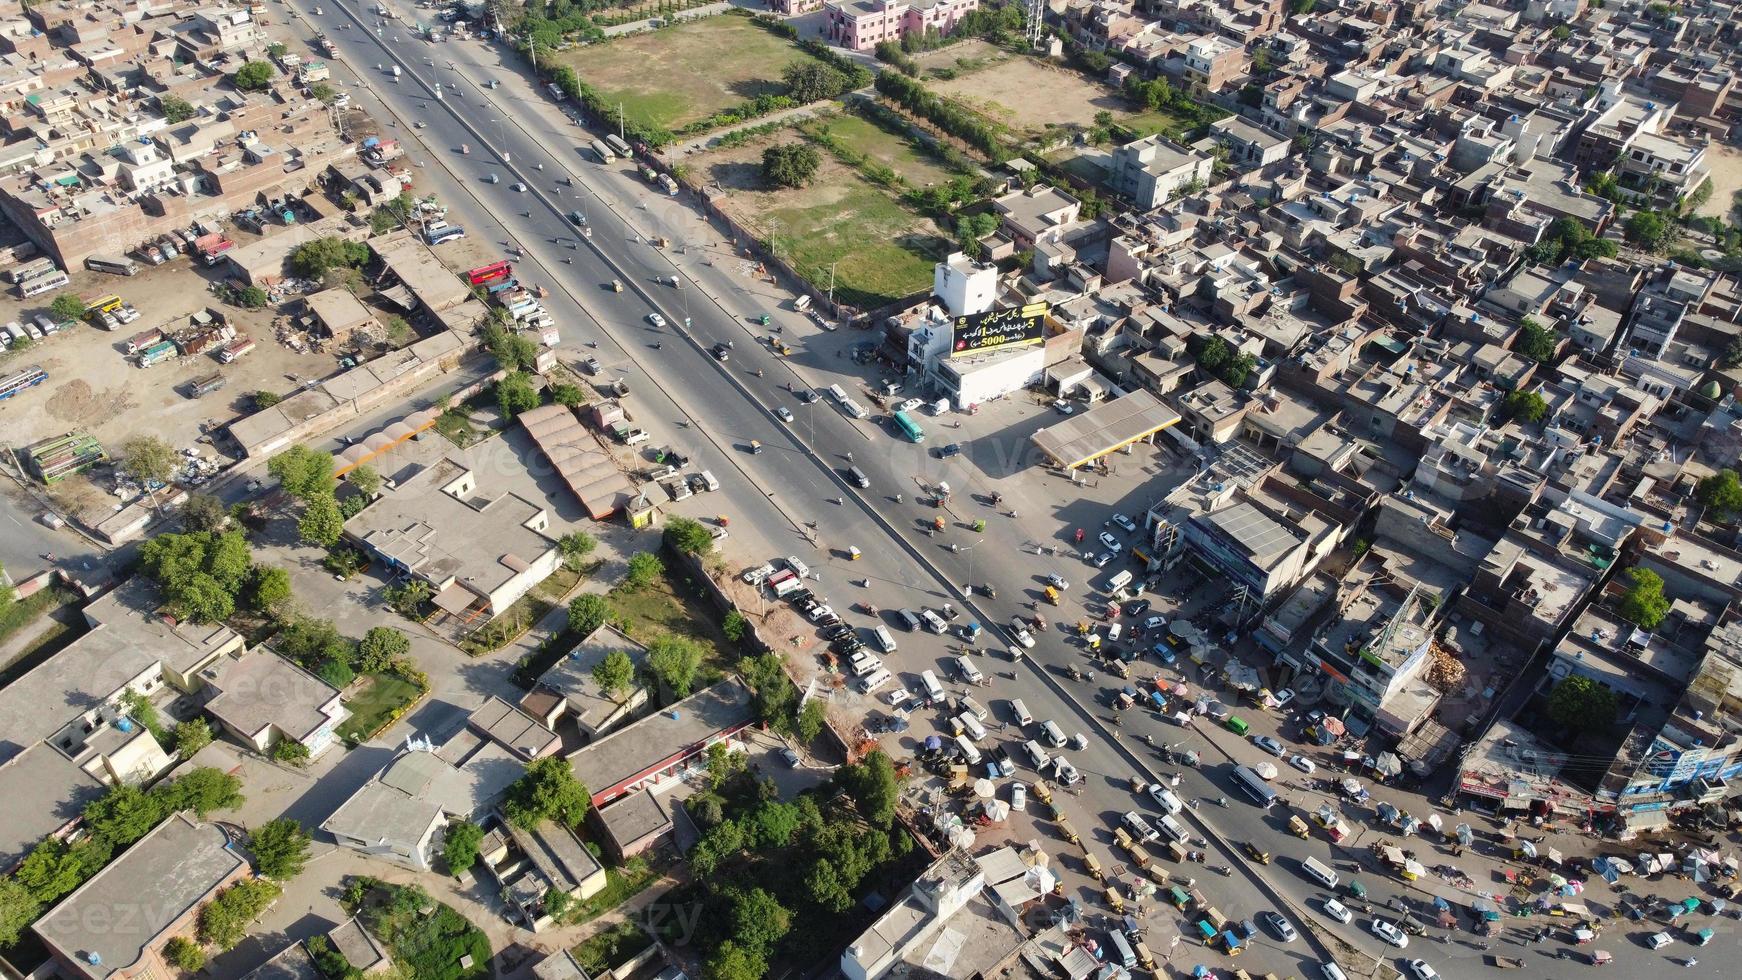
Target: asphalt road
(685, 396)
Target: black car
(800, 596)
(838, 632)
(1136, 607)
(846, 648)
(945, 452)
(806, 395)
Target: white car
(821, 613)
(1139, 827)
(519, 187)
(909, 405)
(1111, 542)
(1269, 744)
(1302, 763)
(1154, 623)
(1058, 582)
(1165, 799)
(1421, 970)
(656, 319)
(1284, 696)
(1126, 524)
(1018, 797)
(1063, 407)
(1338, 911)
(1023, 636)
(1388, 932)
(1103, 559)
(782, 413)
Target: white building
(963, 285)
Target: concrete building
(654, 753)
(479, 553)
(568, 690)
(1153, 170)
(1040, 214)
(961, 918)
(157, 887)
(339, 313)
(860, 25)
(262, 699)
(1212, 63)
(42, 794)
(1375, 649)
(398, 816)
(964, 286)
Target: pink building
(860, 25)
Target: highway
(685, 396)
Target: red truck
(212, 247)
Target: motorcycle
(1222, 801)
(1224, 872)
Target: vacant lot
(898, 154)
(674, 76)
(881, 249)
(1725, 162)
(968, 56)
(1030, 96)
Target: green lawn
(677, 75)
(1155, 121)
(659, 608)
(15, 615)
(559, 583)
(375, 705)
(611, 948)
(428, 938)
(881, 251)
(898, 154)
(515, 620)
(456, 427)
(621, 884)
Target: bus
(603, 152)
(118, 265)
(43, 284)
(909, 428)
(447, 233)
(30, 377)
(616, 143)
(1252, 785)
(490, 273)
(31, 269)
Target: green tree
(408, 599)
(1527, 406)
(547, 791)
(730, 961)
(280, 848)
(175, 108)
(266, 399)
(674, 660)
(809, 81)
(321, 522)
(587, 612)
(337, 673)
(268, 589)
(67, 306)
(276, 50)
(294, 753)
(568, 395)
(186, 954)
(1582, 704)
(1644, 603)
(303, 472)
(513, 351)
(460, 845)
(204, 512)
(322, 92)
(810, 720)
(1561, 32)
(723, 764)
(515, 394)
(1649, 231)
(253, 76)
(148, 459)
(225, 919)
(190, 737)
(312, 259)
(200, 573)
(364, 480)
(1732, 356)
(687, 535)
(645, 568)
(615, 673)
(252, 298)
(204, 791)
(873, 786)
(735, 626)
(575, 547)
(790, 164)
(18, 909)
(1536, 341)
(1721, 493)
(758, 920)
(381, 648)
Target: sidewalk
(642, 25)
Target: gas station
(1082, 439)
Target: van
(966, 668)
(875, 680)
(1115, 631)
(1020, 710)
(1332, 971)
(1037, 755)
(908, 619)
(970, 752)
(1168, 801)
(1171, 827)
(1055, 736)
(1236, 724)
(1118, 582)
(1319, 872)
(885, 641)
(978, 709)
(709, 481)
(933, 689)
(859, 478)
(971, 725)
(1122, 951)
(933, 622)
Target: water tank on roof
(125, 724)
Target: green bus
(909, 428)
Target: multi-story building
(1375, 648)
(860, 25)
(1152, 170)
(1212, 63)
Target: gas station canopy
(1112, 425)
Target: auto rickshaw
(1043, 791)
(1052, 595)
(1068, 832)
(616, 285)
(1257, 853)
(1298, 827)
(1122, 837)
(762, 319)
(937, 523)
(1178, 897)
(1137, 784)
(1039, 623)
(1094, 865)
(755, 447)
(1602, 957)
(1140, 858)
(853, 552)
(979, 524)
(1114, 900)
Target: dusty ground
(1004, 92)
(1726, 164)
(966, 56)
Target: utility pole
(832, 288)
(620, 123)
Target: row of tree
(963, 123)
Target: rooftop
(411, 791)
(261, 689)
(1259, 536)
(679, 730)
(513, 729)
(1081, 438)
(558, 854)
(41, 791)
(571, 678)
(151, 885)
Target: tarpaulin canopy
(1554, 856)
(1388, 764)
(984, 789)
(1265, 770)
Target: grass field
(375, 704)
(661, 608)
(885, 147)
(881, 249)
(676, 75)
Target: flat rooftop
(1086, 436)
(41, 791)
(127, 638)
(513, 729)
(1261, 537)
(150, 885)
(571, 677)
(642, 747)
(262, 689)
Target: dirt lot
(677, 75)
(999, 91)
(1726, 164)
(881, 250)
